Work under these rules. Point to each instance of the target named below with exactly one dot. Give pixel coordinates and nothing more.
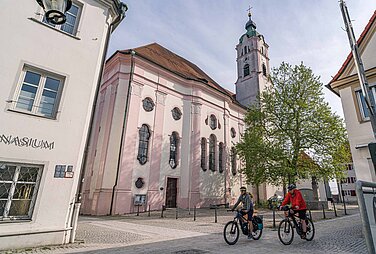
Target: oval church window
(176, 113)
(148, 104)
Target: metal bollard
(215, 214)
(323, 211)
(344, 207)
(194, 213)
(162, 211)
(176, 212)
(149, 212)
(335, 210)
(138, 210)
(273, 217)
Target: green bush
(262, 204)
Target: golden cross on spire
(249, 11)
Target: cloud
(206, 32)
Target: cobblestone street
(342, 235)
(143, 234)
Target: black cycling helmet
(243, 188)
(291, 187)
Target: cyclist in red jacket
(298, 205)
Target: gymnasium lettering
(26, 142)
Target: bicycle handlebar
(285, 208)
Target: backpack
(258, 222)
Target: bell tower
(252, 63)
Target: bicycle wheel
(231, 232)
(310, 230)
(285, 232)
(256, 234)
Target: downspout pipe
(121, 8)
(125, 117)
(225, 171)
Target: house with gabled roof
(346, 85)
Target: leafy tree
(291, 132)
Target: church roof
(349, 57)
(167, 59)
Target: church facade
(164, 131)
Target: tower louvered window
(246, 70)
(264, 69)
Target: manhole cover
(192, 251)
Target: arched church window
(220, 157)
(212, 146)
(213, 122)
(245, 49)
(143, 144)
(148, 104)
(233, 132)
(246, 70)
(203, 154)
(264, 69)
(174, 142)
(233, 161)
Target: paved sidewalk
(341, 235)
(144, 234)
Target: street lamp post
(55, 10)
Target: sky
(206, 32)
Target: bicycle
(286, 228)
(231, 229)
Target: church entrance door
(171, 192)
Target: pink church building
(164, 131)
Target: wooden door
(171, 192)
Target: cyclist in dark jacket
(247, 208)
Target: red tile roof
(167, 59)
(360, 40)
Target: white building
(347, 186)
(49, 78)
(346, 85)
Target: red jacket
(296, 200)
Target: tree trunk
(315, 189)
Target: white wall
(360, 134)
(27, 41)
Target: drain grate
(191, 251)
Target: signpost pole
(364, 213)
